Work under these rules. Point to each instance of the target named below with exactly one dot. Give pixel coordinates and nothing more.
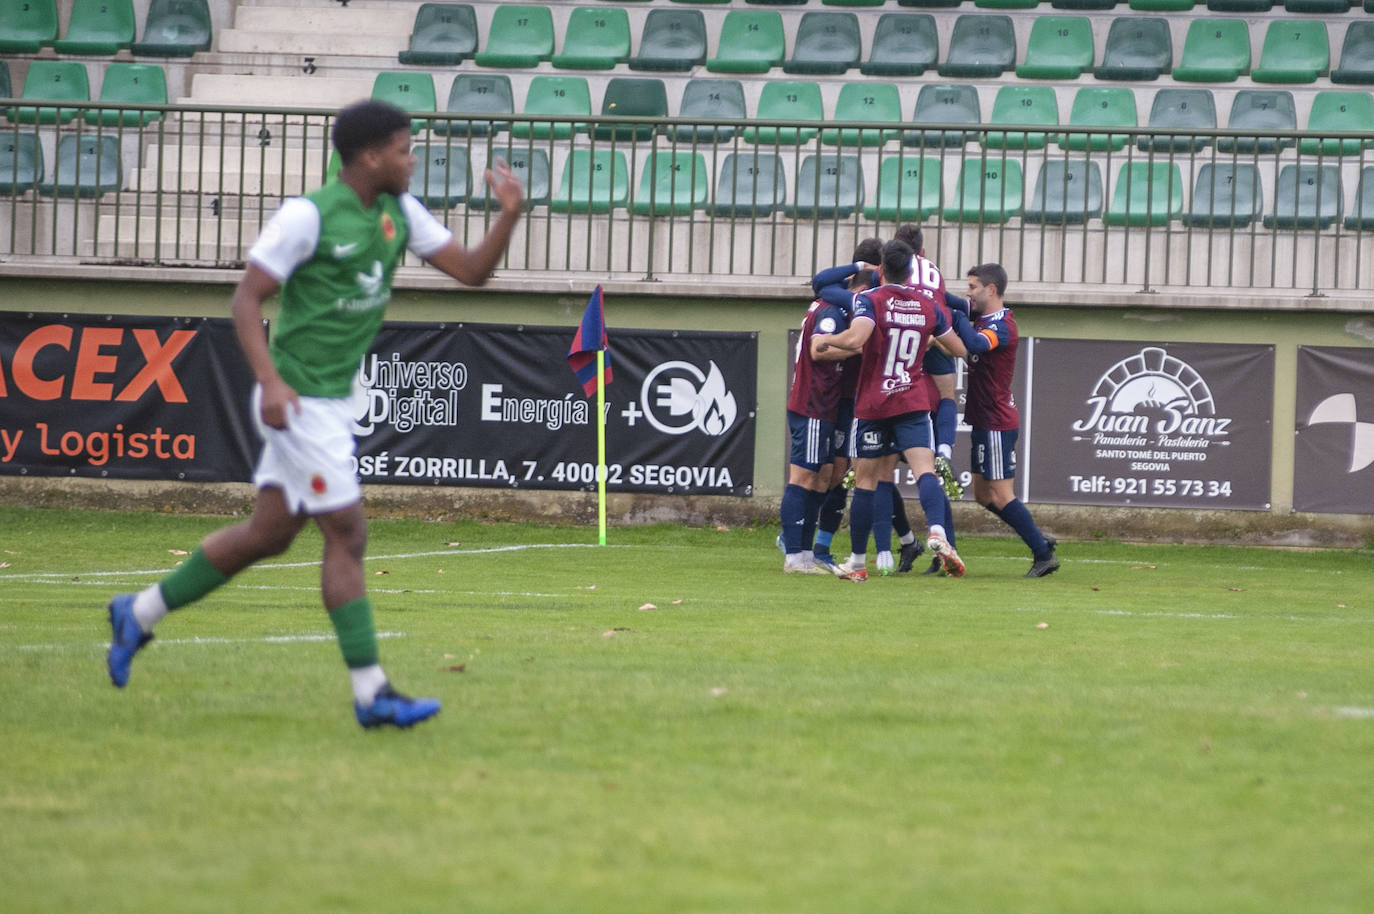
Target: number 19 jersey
(892, 381)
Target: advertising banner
(1149, 424)
(1333, 451)
(124, 397)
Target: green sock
(357, 635)
(194, 579)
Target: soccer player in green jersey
(332, 254)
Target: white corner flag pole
(601, 446)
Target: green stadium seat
(787, 100)
(874, 103)
(175, 28)
(597, 38)
(828, 187)
(1007, 4)
(1334, 7)
(1021, 106)
(1060, 47)
(98, 27)
(594, 181)
(481, 96)
(989, 189)
(853, 2)
(904, 44)
(1295, 51)
(444, 35)
(1341, 112)
(53, 81)
(777, 2)
(826, 43)
(1357, 55)
(1100, 107)
(1137, 47)
(982, 46)
(751, 41)
(1240, 6)
(519, 37)
(713, 2)
(1214, 51)
(1066, 193)
(21, 162)
(1146, 193)
(751, 184)
(1180, 109)
(1083, 4)
(130, 84)
(1164, 6)
(1361, 219)
(1306, 197)
(530, 167)
(672, 40)
(632, 96)
(25, 27)
(949, 103)
(409, 91)
(558, 96)
(910, 189)
(443, 177)
(672, 184)
(1263, 110)
(931, 4)
(1226, 195)
(86, 166)
(710, 99)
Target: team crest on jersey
(388, 227)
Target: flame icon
(714, 410)
(700, 398)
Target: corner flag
(590, 340)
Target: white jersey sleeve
(427, 234)
(288, 240)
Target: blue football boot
(391, 707)
(127, 639)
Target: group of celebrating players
(874, 383)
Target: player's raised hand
(505, 186)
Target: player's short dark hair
(366, 124)
(870, 250)
(991, 274)
(911, 234)
(897, 261)
(862, 279)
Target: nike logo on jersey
(343, 250)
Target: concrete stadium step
(379, 32)
(277, 91)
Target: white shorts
(311, 460)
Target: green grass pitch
(1154, 728)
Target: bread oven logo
(678, 397)
(1340, 409)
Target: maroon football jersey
(990, 405)
(816, 384)
(891, 379)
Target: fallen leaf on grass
(454, 543)
(178, 552)
(4, 564)
(611, 633)
(460, 668)
(1338, 605)
(677, 602)
(1142, 567)
(1042, 625)
(1236, 589)
(1095, 589)
(721, 528)
(718, 691)
(381, 572)
(441, 571)
(647, 606)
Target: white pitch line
(265, 639)
(1350, 713)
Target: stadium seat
(53, 81)
(950, 103)
(904, 44)
(874, 103)
(597, 38)
(86, 166)
(982, 46)
(1334, 7)
(826, 43)
(931, 4)
(98, 27)
(1360, 219)
(632, 96)
(480, 95)
(559, 96)
(1306, 197)
(751, 184)
(175, 28)
(1021, 106)
(1007, 4)
(1067, 192)
(1240, 6)
(1083, 4)
(444, 35)
(26, 27)
(1100, 107)
(1295, 51)
(673, 40)
(751, 41)
(777, 2)
(787, 100)
(1164, 6)
(672, 184)
(1214, 50)
(1357, 55)
(21, 162)
(409, 91)
(443, 177)
(1226, 195)
(594, 181)
(1146, 193)
(1265, 110)
(519, 37)
(1180, 109)
(1137, 47)
(828, 187)
(1341, 112)
(710, 99)
(1060, 47)
(853, 2)
(989, 189)
(910, 189)
(130, 84)
(530, 167)
(702, 1)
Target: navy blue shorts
(894, 435)
(994, 453)
(937, 361)
(811, 439)
(845, 436)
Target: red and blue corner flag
(589, 339)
